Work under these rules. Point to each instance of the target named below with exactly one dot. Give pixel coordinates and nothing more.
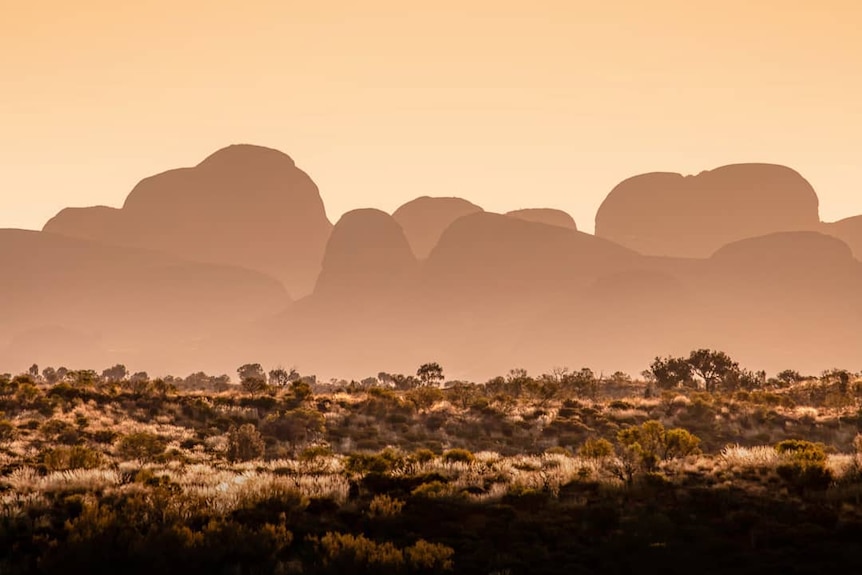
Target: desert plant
(244, 443)
(63, 458)
(652, 443)
(806, 468)
(252, 378)
(141, 445)
(430, 374)
(384, 506)
(7, 431)
(459, 456)
(596, 448)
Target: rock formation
(669, 214)
(126, 301)
(367, 254)
(424, 220)
(547, 216)
(848, 230)
(243, 206)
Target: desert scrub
(63, 458)
(806, 468)
(458, 456)
(244, 443)
(141, 445)
(384, 506)
(596, 449)
(347, 553)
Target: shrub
(651, 443)
(141, 445)
(596, 449)
(806, 468)
(104, 436)
(383, 462)
(346, 553)
(7, 431)
(424, 397)
(458, 455)
(60, 432)
(422, 456)
(384, 506)
(427, 557)
(64, 458)
(315, 452)
(244, 443)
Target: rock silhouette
(491, 276)
(183, 277)
(491, 256)
(669, 214)
(547, 216)
(424, 220)
(244, 205)
(789, 298)
(118, 301)
(848, 230)
(359, 316)
(367, 254)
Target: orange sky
(508, 104)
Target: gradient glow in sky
(507, 104)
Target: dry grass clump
(28, 480)
(736, 456)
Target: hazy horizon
(546, 105)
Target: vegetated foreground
(699, 465)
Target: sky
(508, 104)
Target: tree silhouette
(116, 373)
(430, 373)
(711, 366)
(252, 378)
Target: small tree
(252, 378)
(300, 389)
(430, 374)
(49, 374)
(842, 377)
(788, 377)
(385, 378)
(281, 377)
(404, 382)
(244, 443)
(84, 378)
(163, 388)
(713, 367)
(670, 372)
(115, 374)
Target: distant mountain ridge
(197, 269)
